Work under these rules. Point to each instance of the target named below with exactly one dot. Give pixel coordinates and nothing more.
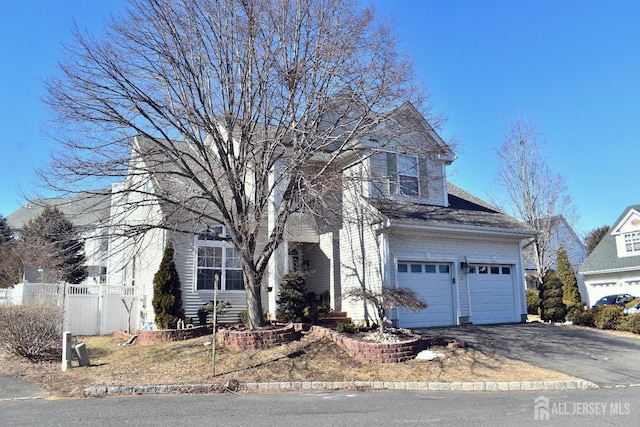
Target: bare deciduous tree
(250, 105)
(533, 193)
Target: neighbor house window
(217, 262)
(632, 241)
(408, 175)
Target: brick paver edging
(343, 385)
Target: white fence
(89, 309)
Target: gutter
(461, 229)
(611, 270)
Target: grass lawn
(309, 359)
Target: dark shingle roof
(605, 256)
(465, 211)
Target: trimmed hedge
(581, 317)
(607, 317)
(630, 323)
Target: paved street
(602, 358)
(577, 408)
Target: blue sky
(572, 67)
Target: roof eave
(462, 229)
(610, 270)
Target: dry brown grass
(309, 359)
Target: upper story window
(632, 242)
(408, 176)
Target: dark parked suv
(619, 299)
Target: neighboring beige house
(614, 265)
(398, 223)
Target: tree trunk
(253, 285)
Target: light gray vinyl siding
(192, 298)
(360, 261)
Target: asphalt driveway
(16, 388)
(602, 358)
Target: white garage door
(432, 284)
(491, 290)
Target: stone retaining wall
(166, 335)
(373, 352)
(254, 340)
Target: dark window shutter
(392, 173)
(424, 181)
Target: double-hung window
(217, 263)
(632, 242)
(408, 176)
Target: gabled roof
(465, 213)
(84, 210)
(605, 256)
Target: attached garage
(433, 284)
(491, 292)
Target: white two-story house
(395, 221)
(613, 267)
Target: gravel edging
(490, 386)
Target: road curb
(488, 386)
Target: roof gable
(630, 222)
(604, 257)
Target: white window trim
(408, 172)
(224, 245)
(632, 239)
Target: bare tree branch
(237, 106)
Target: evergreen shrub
(533, 302)
(552, 308)
(167, 292)
(581, 317)
(607, 317)
(630, 323)
(291, 298)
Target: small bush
(347, 328)
(291, 298)
(30, 330)
(630, 323)
(533, 302)
(580, 316)
(607, 317)
(312, 313)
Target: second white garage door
(492, 294)
(432, 284)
